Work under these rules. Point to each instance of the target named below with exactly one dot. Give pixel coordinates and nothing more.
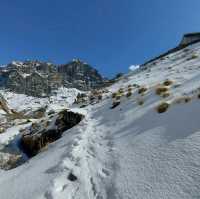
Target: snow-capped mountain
(138, 138)
(39, 79)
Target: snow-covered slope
(131, 151)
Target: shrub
(183, 99)
(128, 94)
(100, 97)
(165, 95)
(187, 99)
(161, 89)
(129, 89)
(118, 97)
(114, 95)
(136, 85)
(140, 102)
(142, 90)
(194, 56)
(121, 91)
(168, 82)
(161, 108)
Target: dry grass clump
(128, 94)
(183, 99)
(136, 85)
(142, 90)
(192, 57)
(129, 86)
(114, 95)
(118, 97)
(100, 97)
(130, 89)
(161, 89)
(140, 102)
(162, 107)
(121, 91)
(167, 82)
(165, 95)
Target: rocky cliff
(37, 78)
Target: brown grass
(167, 82)
(183, 99)
(118, 97)
(162, 107)
(114, 95)
(128, 94)
(165, 95)
(161, 89)
(121, 91)
(129, 89)
(140, 102)
(142, 90)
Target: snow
(127, 152)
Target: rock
(42, 79)
(115, 104)
(80, 75)
(41, 134)
(8, 161)
(37, 114)
(190, 38)
(72, 177)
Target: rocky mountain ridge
(37, 78)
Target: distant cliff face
(190, 38)
(80, 75)
(41, 78)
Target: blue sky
(111, 35)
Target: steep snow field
(131, 151)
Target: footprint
(105, 172)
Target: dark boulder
(41, 134)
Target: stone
(41, 79)
(72, 177)
(39, 135)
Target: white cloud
(133, 67)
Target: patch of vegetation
(165, 95)
(183, 99)
(114, 95)
(121, 91)
(118, 97)
(128, 94)
(142, 90)
(167, 82)
(192, 57)
(140, 102)
(136, 85)
(162, 107)
(161, 89)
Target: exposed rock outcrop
(41, 78)
(80, 75)
(8, 161)
(190, 38)
(41, 134)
